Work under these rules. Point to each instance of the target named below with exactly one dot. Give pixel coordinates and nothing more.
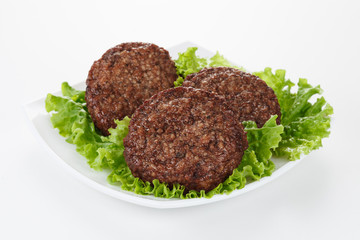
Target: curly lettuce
(188, 63)
(69, 114)
(305, 123)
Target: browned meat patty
(247, 95)
(187, 136)
(123, 78)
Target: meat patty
(187, 136)
(123, 78)
(247, 95)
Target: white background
(43, 43)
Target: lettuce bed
(304, 125)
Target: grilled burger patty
(187, 136)
(247, 95)
(123, 78)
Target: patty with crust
(187, 136)
(247, 95)
(123, 78)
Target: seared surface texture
(123, 78)
(247, 95)
(187, 136)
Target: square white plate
(65, 153)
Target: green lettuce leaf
(70, 116)
(188, 63)
(75, 95)
(219, 61)
(305, 123)
(261, 142)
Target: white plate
(77, 165)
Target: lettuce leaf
(188, 63)
(261, 142)
(219, 61)
(305, 123)
(70, 116)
